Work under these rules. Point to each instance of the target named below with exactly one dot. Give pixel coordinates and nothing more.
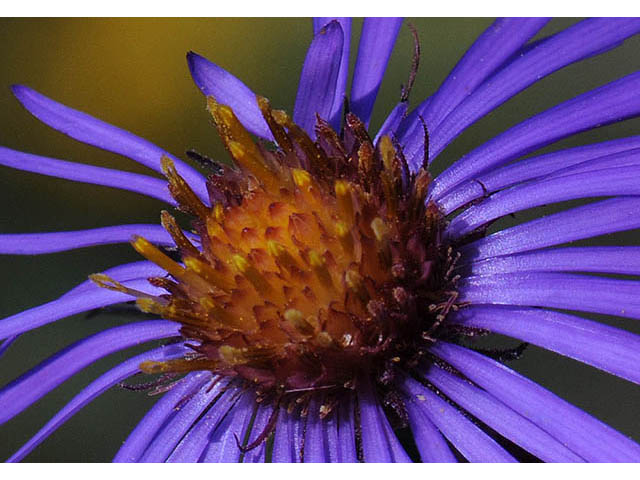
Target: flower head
(327, 291)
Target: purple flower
(325, 302)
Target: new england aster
(320, 305)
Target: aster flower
(323, 303)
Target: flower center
(318, 262)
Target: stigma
(316, 262)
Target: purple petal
(431, 444)
(607, 348)
(341, 83)
(6, 344)
(165, 408)
(288, 438)
(260, 421)
(166, 439)
(95, 389)
(222, 446)
(610, 103)
(501, 418)
(576, 43)
(229, 90)
(470, 441)
(392, 122)
(489, 52)
(90, 130)
(599, 183)
(319, 79)
(555, 290)
(624, 260)
(66, 306)
(152, 187)
(379, 442)
(347, 431)
(192, 445)
(315, 448)
(38, 243)
(331, 438)
(376, 43)
(530, 169)
(607, 216)
(588, 437)
(30, 387)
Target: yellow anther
(301, 177)
(240, 144)
(344, 235)
(251, 273)
(150, 252)
(181, 190)
(296, 319)
(232, 355)
(388, 152)
(148, 305)
(353, 280)
(345, 202)
(150, 367)
(380, 229)
(218, 212)
(241, 263)
(355, 283)
(209, 273)
(319, 267)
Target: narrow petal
(555, 290)
(95, 389)
(591, 439)
(473, 443)
(376, 43)
(166, 439)
(90, 130)
(607, 216)
(600, 183)
(133, 182)
(623, 260)
(379, 442)
(287, 440)
(610, 103)
(501, 418)
(260, 422)
(489, 52)
(222, 446)
(145, 431)
(66, 306)
(6, 344)
(33, 385)
(229, 90)
(607, 348)
(315, 447)
(431, 444)
(392, 121)
(343, 74)
(576, 43)
(38, 243)
(529, 169)
(193, 444)
(347, 431)
(331, 437)
(318, 80)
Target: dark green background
(133, 73)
